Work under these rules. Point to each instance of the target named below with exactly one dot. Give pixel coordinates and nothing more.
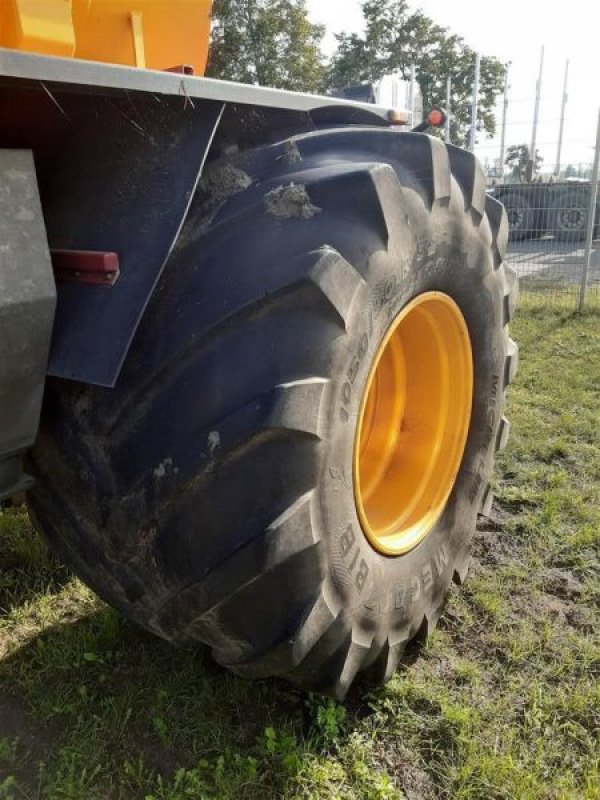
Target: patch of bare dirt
(492, 545)
(562, 583)
(35, 741)
(414, 781)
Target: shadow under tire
(210, 495)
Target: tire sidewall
(378, 591)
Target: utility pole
(536, 119)
(448, 109)
(475, 104)
(504, 118)
(561, 131)
(587, 259)
(413, 93)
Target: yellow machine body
(145, 33)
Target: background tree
(266, 42)
(491, 167)
(395, 38)
(518, 157)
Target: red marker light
(436, 118)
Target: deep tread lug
(469, 173)
(297, 406)
(461, 570)
(338, 281)
(442, 180)
(389, 195)
(503, 434)
(499, 224)
(487, 503)
(511, 293)
(326, 657)
(512, 363)
(321, 617)
(389, 658)
(355, 659)
(292, 533)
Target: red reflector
(99, 268)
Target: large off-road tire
(568, 214)
(212, 494)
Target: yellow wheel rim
(413, 424)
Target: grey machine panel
(119, 152)
(50, 70)
(27, 302)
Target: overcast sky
(515, 30)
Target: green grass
(503, 702)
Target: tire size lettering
(386, 294)
(423, 581)
(361, 576)
(351, 554)
(348, 541)
(491, 409)
(351, 375)
(405, 595)
(479, 470)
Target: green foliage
(518, 157)
(395, 38)
(8, 788)
(273, 43)
(8, 750)
(328, 720)
(223, 778)
(266, 42)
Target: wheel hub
(413, 423)
(571, 218)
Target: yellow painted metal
(413, 424)
(157, 33)
(138, 39)
(40, 27)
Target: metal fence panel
(552, 204)
(547, 246)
